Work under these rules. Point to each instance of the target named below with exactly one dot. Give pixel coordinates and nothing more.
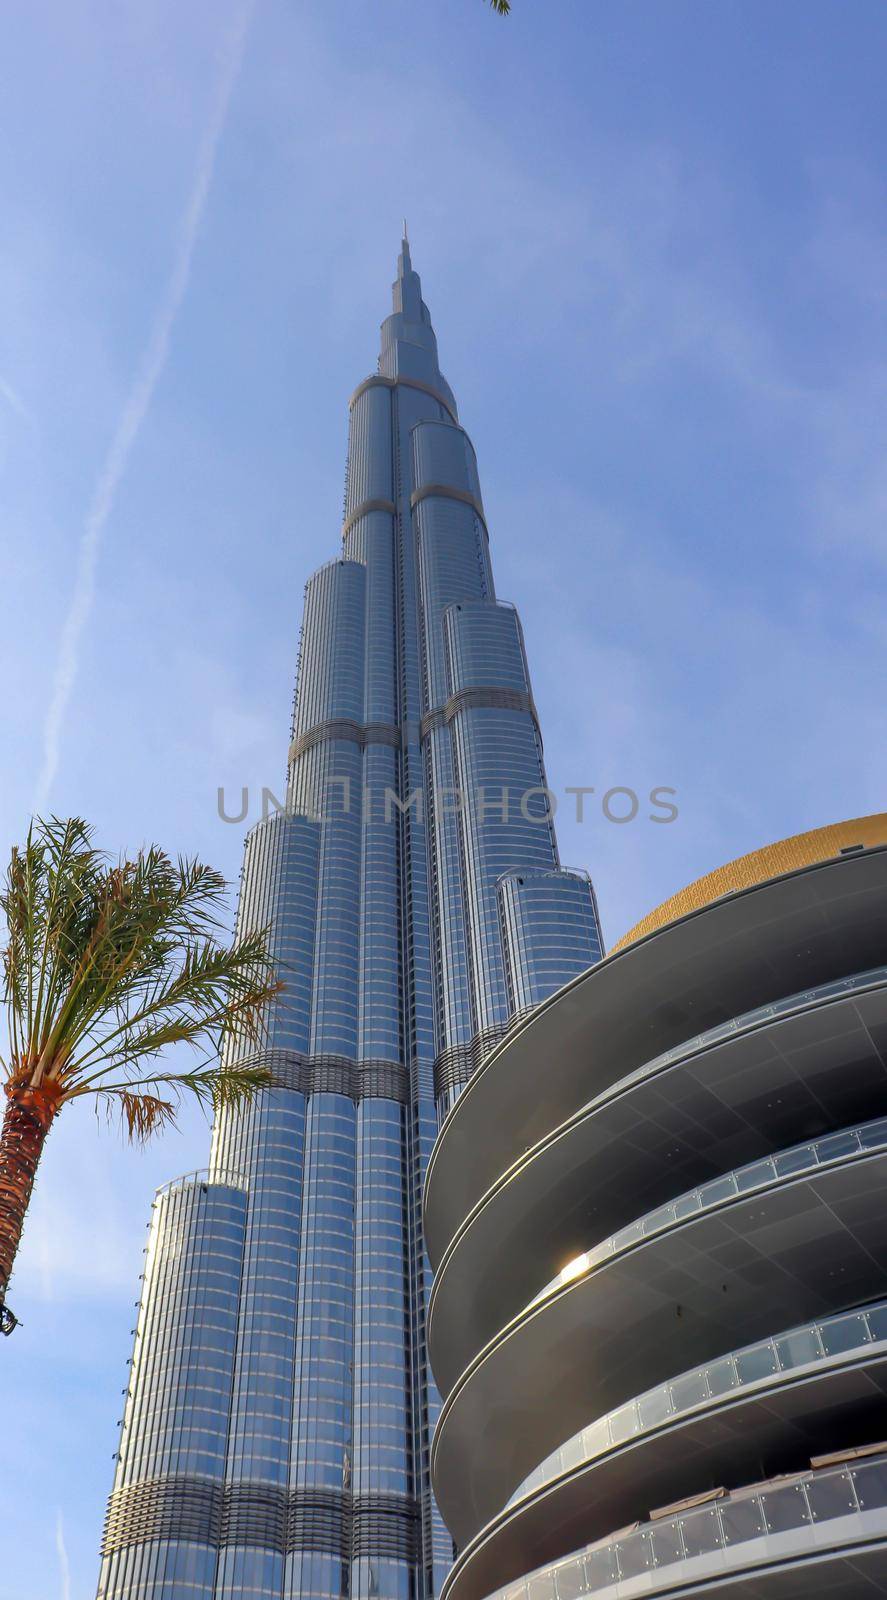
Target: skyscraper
(276, 1434)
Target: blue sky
(652, 236)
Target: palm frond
(216, 991)
(144, 1114)
(108, 963)
(143, 1110)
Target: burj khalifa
(279, 1409)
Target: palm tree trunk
(26, 1122)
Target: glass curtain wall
(416, 904)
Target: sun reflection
(574, 1268)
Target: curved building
(275, 1442)
(658, 1221)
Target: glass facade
(276, 1436)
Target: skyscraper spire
(404, 264)
(409, 347)
(277, 1431)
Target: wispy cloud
(64, 1563)
(137, 405)
(14, 401)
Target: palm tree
(106, 964)
(502, 6)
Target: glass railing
(759, 1174)
(753, 1019)
(814, 1342)
(780, 1507)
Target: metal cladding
(276, 1437)
(801, 850)
(659, 1316)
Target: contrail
(64, 1563)
(137, 405)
